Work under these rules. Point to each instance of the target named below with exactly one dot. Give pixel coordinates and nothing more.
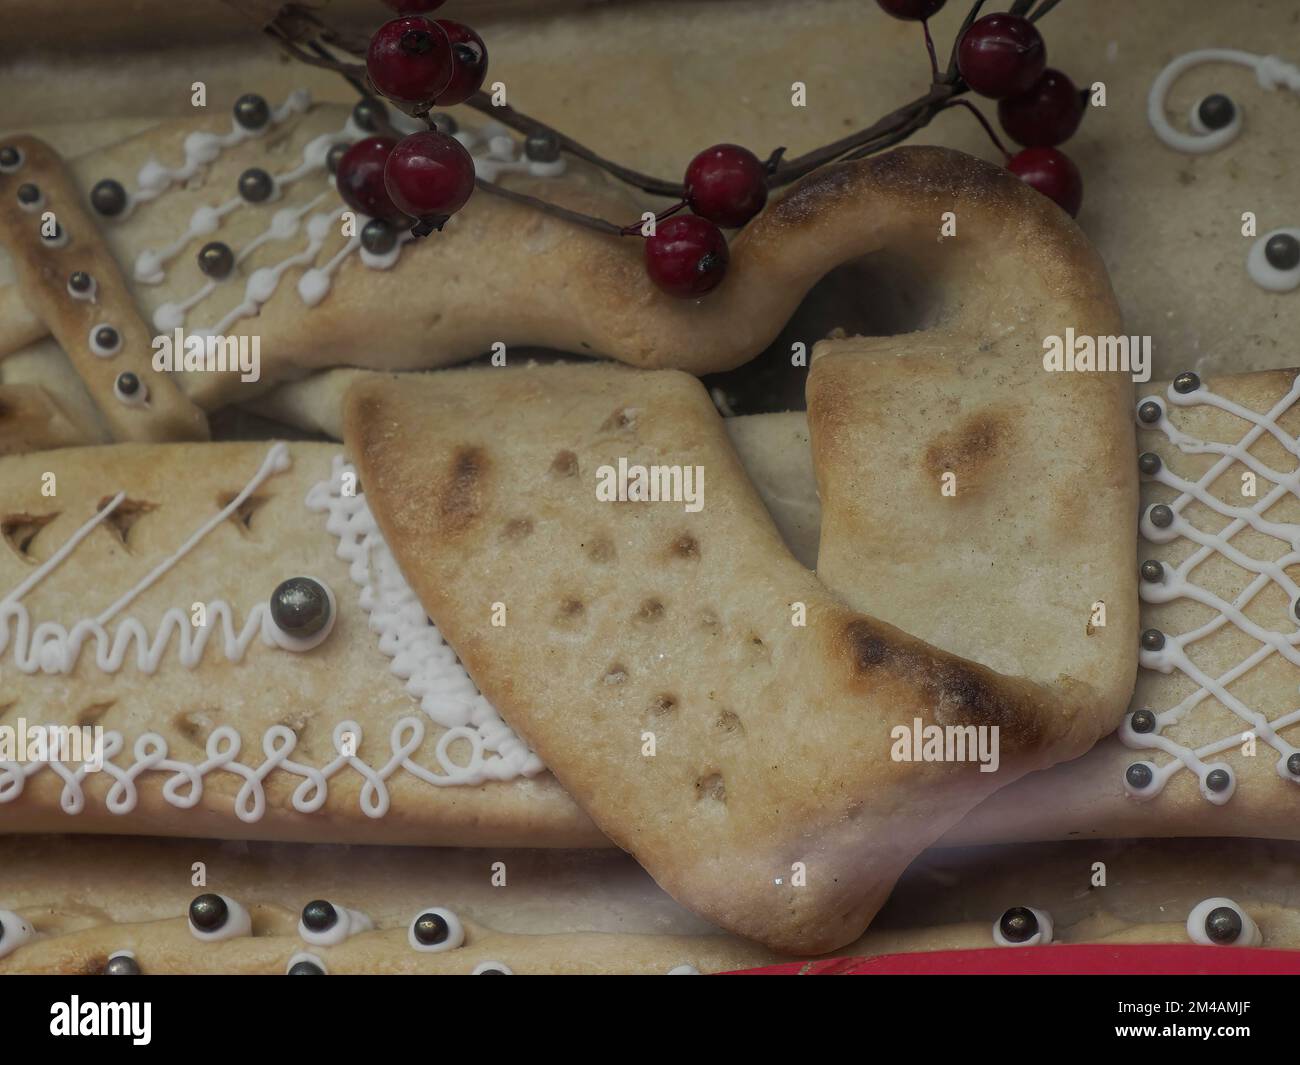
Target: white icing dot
(238, 923)
(455, 932)
(1264, 273)
(1039, 938)
(348, 923)
(261, 284)
(1250, 934)
(284, 223)
(205, 220)
(319, 226)
(153, 176)
(148, 267)
(15, 932)
(492, 967)
(310, 959)
(202, 147)
(168, 317)
(101, 349)
(313, 286)
(502, 147)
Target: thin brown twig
(1043, 9)
(576, 217)
(929, 48)
(296, 26)
(529, 126)
(988, 128)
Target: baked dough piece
(225, 728)
(1219, 646)
(767, 799)
(587, 912)
(51, 238)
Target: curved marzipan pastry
(777, 767)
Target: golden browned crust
(442, 302)
(772, 738)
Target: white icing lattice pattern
(419, 656)
(1180, 583)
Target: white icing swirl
(1270, 71)
(492, 967)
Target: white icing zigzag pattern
(420, 657)
(1179, 583)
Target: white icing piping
(202, 149)
(51, 648)
(1270, 71)
(494, 149)
(1176, 583)
(207, 220)
(419, 657)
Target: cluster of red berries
(686, 256)
(1003, 57)
(418, 63)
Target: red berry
(1052, 173)
(360, 178)
(1046, 115)
(469, 63)
(414, 7)
(687, 256)
(410, 60)
(1001, 55)
(912, 10)
(726, 184)
(429, 175)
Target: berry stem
(929, 47)
(304, 36)
(634, 230)
(979, 115)
(951, 74)
(1043, 9)
(555, 210)
(527, 125)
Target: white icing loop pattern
(420, 657)
(1178, 582)
(1270, 71)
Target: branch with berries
(420, 180)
